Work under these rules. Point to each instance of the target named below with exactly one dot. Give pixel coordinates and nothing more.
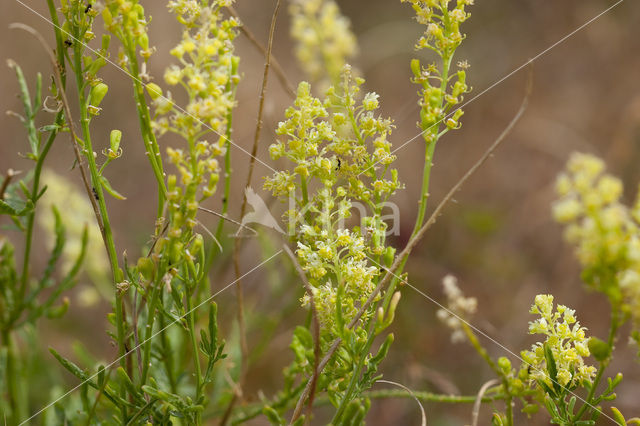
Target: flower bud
(504, 364)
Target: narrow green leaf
(551, 367)
(70, 366)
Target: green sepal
(70, 366)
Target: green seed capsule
(154, 90)
(114, 140)
(415, 67)
(389, 256)
(98, 92)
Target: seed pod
(154, 90)
(388, 256)
(146, 267)
(415, 67)
(114, 140)
(98, 92)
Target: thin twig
(237, 242)
(277, 68)
(418, 236)
(316, 337)
(400, 385)
(228, 219)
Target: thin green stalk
(146, 356)
(196, 355)
(167, 354)
(355, 376)
(148, 137)
(431, 136)
(24, 279)
(12, 376)
(35, 190)
(97, 187)
(252, 411)
(227, 180)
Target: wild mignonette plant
(336, 145)
(333, 168)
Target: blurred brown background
(498, 237)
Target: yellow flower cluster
(208, 71)
(442, 90)
(604, 232)
(126, 19)
(339, 149)
(443, 23)
(324, 39)
(567, 342)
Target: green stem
(103, 220)
(35, 190)
(148, 332)
(254, 410)
(144, 117)
(431, 137)
(167, 354)
(196, 354)
(12, 377)
(355, 377)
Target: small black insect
(95, 194)
(68, 43)
(88, 8)
(339, 164)
(224, 199)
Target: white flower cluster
(604, 232)
(458, 307)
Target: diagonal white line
(182, 110)
(207, 300)
(501, 80)
(479, 331)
